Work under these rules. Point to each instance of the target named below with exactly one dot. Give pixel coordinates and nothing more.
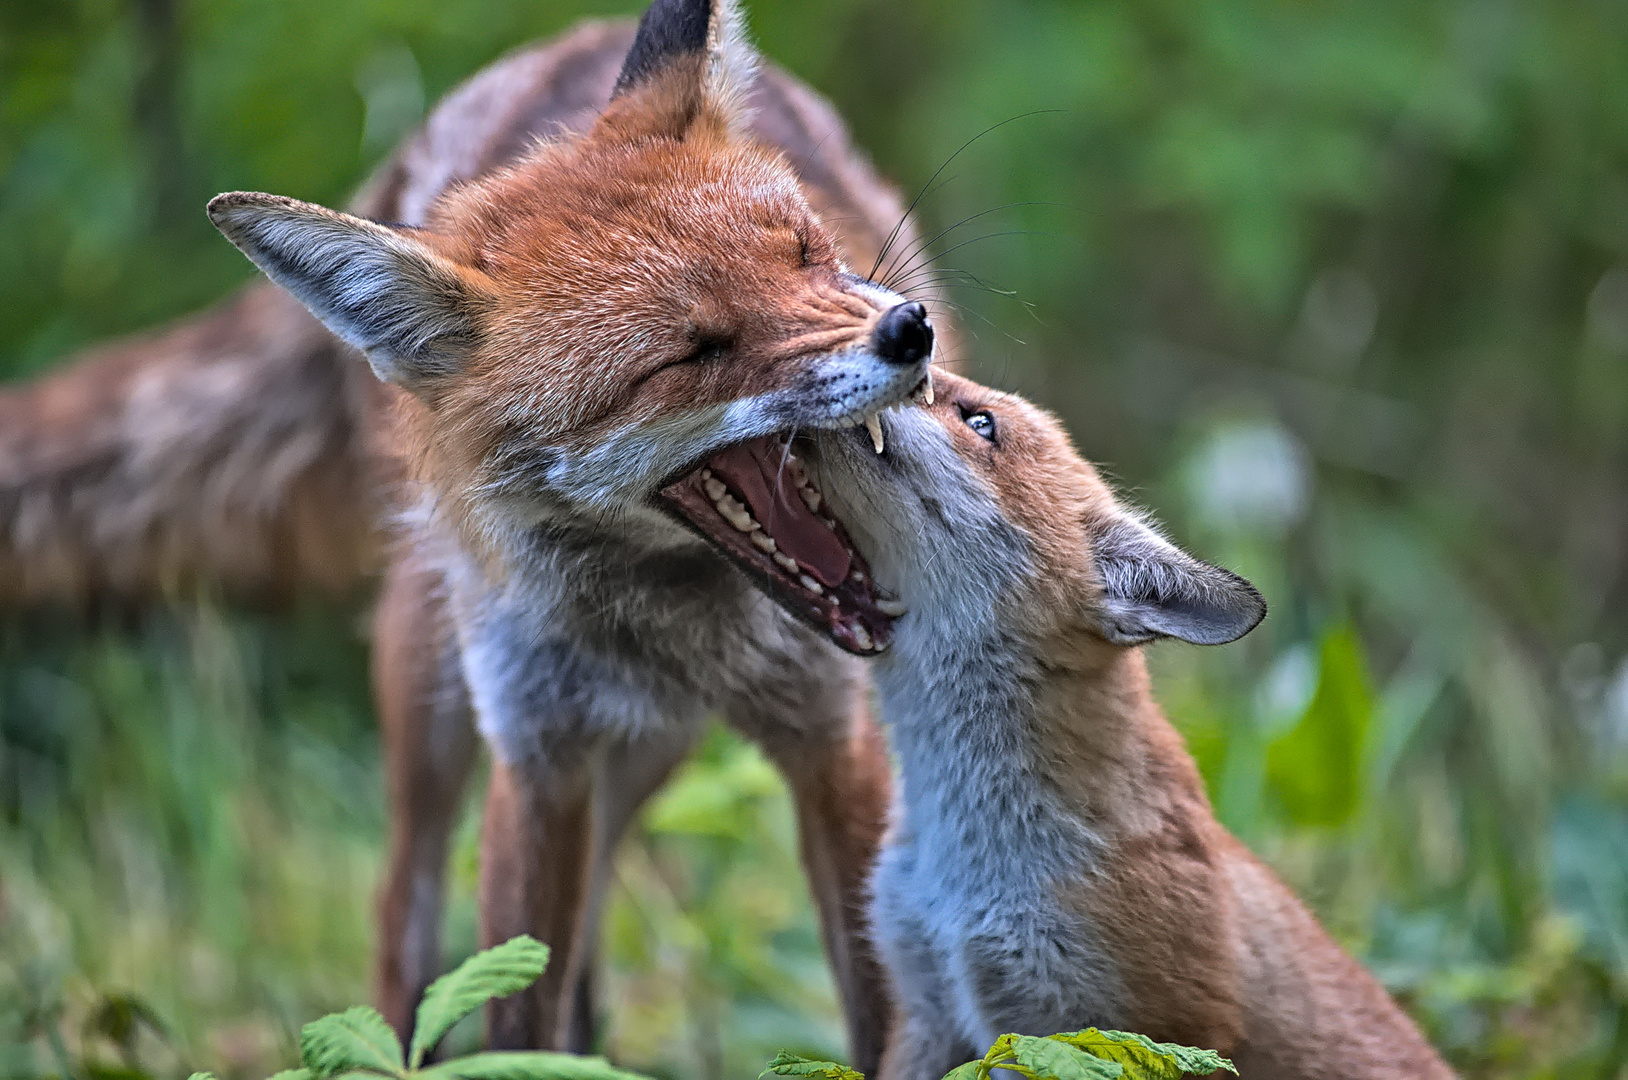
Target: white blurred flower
(1614, 711)
(1286, 690)
(1250, 477)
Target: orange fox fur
(249, 449)
(1053, 862)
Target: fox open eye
(980, 420)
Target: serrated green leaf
(1144, 1059)
(356, 1040)
(493, 973)
(1045, 1058)
(785, 1064)
(972, 1070)
(526, 1065)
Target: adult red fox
(607, 261)
(1052, 861)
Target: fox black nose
(903, 335)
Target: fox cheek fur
(1053, 862)
(616, 305)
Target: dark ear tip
(669, 29)
(223, 204)
(1249, 608)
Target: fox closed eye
(704, 350)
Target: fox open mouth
(755, 502)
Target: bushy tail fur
(226, 449)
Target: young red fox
(1053, 862)
(562, 335)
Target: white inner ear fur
(732, 65)
(383, 292)
(1153, 589)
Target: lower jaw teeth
(764, 543)
(862, 637)
(810, 584)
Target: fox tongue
(755, 470)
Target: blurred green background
(1340, 290)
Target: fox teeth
(811, 585)
(714, 487)
(873, 424)
(862, 638)
(923, 393)
(786, 563)
(893, 609)
(764, 543)
(737, 515)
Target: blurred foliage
(1341, 290)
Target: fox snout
(903, 335)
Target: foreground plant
(1079, 1055)
(359, 1041)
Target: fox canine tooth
(873, 424)
(928, 393)
(892, 608)
(764, 543)
(862, 638)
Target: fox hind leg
(429, 741)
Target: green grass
(192, 823)
(191, 838)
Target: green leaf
(1051, 1059)
(493, 973)
(290, 1074)
(785, 1064)
(1144, 1059)
(356, 1040)
(972, 1070)
(1317, 769)
(526, 1065)
(208, 1076)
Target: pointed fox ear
(380, 289)
(1153, 589)
(690, 59)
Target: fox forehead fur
(554, 321)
